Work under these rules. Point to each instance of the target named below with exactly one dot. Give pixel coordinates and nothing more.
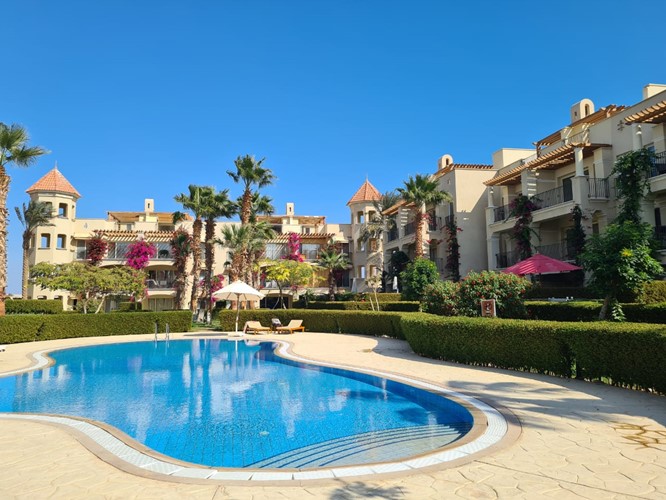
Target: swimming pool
(234, 404)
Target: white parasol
(238, 291)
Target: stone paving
(578, 440)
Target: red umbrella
(540, 264)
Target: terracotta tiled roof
(129, 217)
(53, 181)
(461, 166)
(367, 192)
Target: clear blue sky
(138, 99)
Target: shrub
(406, 306)
(653, 292)
(419, 274)
(589, 311)
(31, 306)
(27, 328)
(545, 292)
(624, 354)
(356, 322)
(508, 291)
(129, 307)
(441, 298)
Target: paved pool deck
(574, 439)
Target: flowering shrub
(216, 283)
(441, 298)
(139, 253)
(508, 290)
(96, 249)
(294, 248)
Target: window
(81, 250)
(306, 230)
(361, 272)
(62, 210)
(361, 246)
(46, 241)
(60, 241)
(360, 217)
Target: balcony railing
(501, 213)
(598, 188)
(157, 284)
(561, 250)
(393, 234)
(410, 228)
(659, 167)
(552, 197)
(448, 220)
(434, 223)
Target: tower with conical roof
(366, 255)
(53, 243)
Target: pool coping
(502, 428)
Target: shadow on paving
(555, 398)
(361, 490)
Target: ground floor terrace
(567, 439)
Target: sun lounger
(294, 325)
(255, 327)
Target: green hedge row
(27, 328)
(560, 292)
(404, 306)
(589, 311)
(354, 322)
(33, 306)
(624, 354)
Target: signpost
(488, 308)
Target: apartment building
(464, 182)
(66, 240)
(572, 166)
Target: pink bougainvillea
(294, 248)
(139, 253)
(216, 283)
(96, 249)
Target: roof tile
(367, 192)
(53, 181)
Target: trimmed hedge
(589, 311)
(405, 306)
(354, 322)
(27, 328)
(624, 354)
(654, 292)
(33, 306)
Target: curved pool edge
(114, 447)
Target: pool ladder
(167, 331)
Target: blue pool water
(237, 404)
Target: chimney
(290, 209)
(148, 206)
(581, 110)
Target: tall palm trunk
(246, 206)
(26, 268)
(418, 238)
(4, 190)
(196, 262)
(331, 284)
(210, 261)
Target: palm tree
(195, 203)
(32, 216)
(216, 205)
(380, 223)
(247, 244)
(250, 173)
(13, 149)
(332, 260)
(421, 191)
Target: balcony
(434, 223)
(506, 259)
(393, 234)
(501, 213)
(561, 250)
(410, 228)
(152, 284)
(659, 167)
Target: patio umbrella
(540, 264)
(238, 291)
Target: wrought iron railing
(562, 250)
(659, 166)
(157, 284)
(501, 213)
(434, 223)
(393, 234)
(552, 197)
(598, 188)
